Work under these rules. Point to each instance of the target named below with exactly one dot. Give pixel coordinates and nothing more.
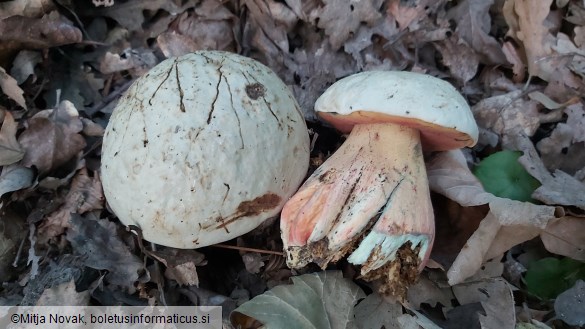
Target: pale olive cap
(416, 100)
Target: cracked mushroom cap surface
(203, 148)
(420, 101)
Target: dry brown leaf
(10, 87)
(473, 26)
(576, 120)
(472, 256)
(24, 64)
(52, 138)
(27, 8)
(354, 13)
(407, 13)
(496, 298)
(273, 20)
(549, 103)
(579, 36)
(99, 246)
(427, 291)
(91, 128)
(84, 195)
(449, 175)
(461, 60)
(210, 26)
(561, 188)
(386, 313)
(508, 113)
(557, 188)
(64, 294)
(315, 68)
(51, 30)
(526, 20)
(181, 264)
(175, 44)
(131, 14)
(565, 48)
(558, 151)
(518, 65)
(139, 60)
(565, 237)
(576, 13)
(14, 178)
(185, 274)
(10, 149)
(253, 262)
(363, 50)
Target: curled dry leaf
(180, 264)
(565, 237)
(63, 294)
(9, 85)
(52, 138)
(318, 300)
(508, 113)
(473, 26)
(526, 20)
(253, 262)
(557, 188)
(24, 65)
(273, 29)
(10, 149)
(576, 120)
(91, 128)
(84, 195)
(407, 14)
(569, 305)
(559, 152)
(51, 30)
(461, 60)
(495, 296)
(131, 14)
(375, 312)
(101, 248)
(512, 55)
(174, 44)
(212, 25)
(427, 291)
(507, 224)
(139, 60)
(27, 8)
(354, 13)
(14, 178)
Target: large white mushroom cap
(203, 148)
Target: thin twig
(261, 251)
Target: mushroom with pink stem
(370, 200)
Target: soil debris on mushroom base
(392, 279)
(395, 277)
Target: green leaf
(502, 175)
(548, 277)
(314, 301)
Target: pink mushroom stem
(369, 199)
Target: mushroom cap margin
(416, 100)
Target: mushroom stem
(370, 198)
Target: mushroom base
(369, 201)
